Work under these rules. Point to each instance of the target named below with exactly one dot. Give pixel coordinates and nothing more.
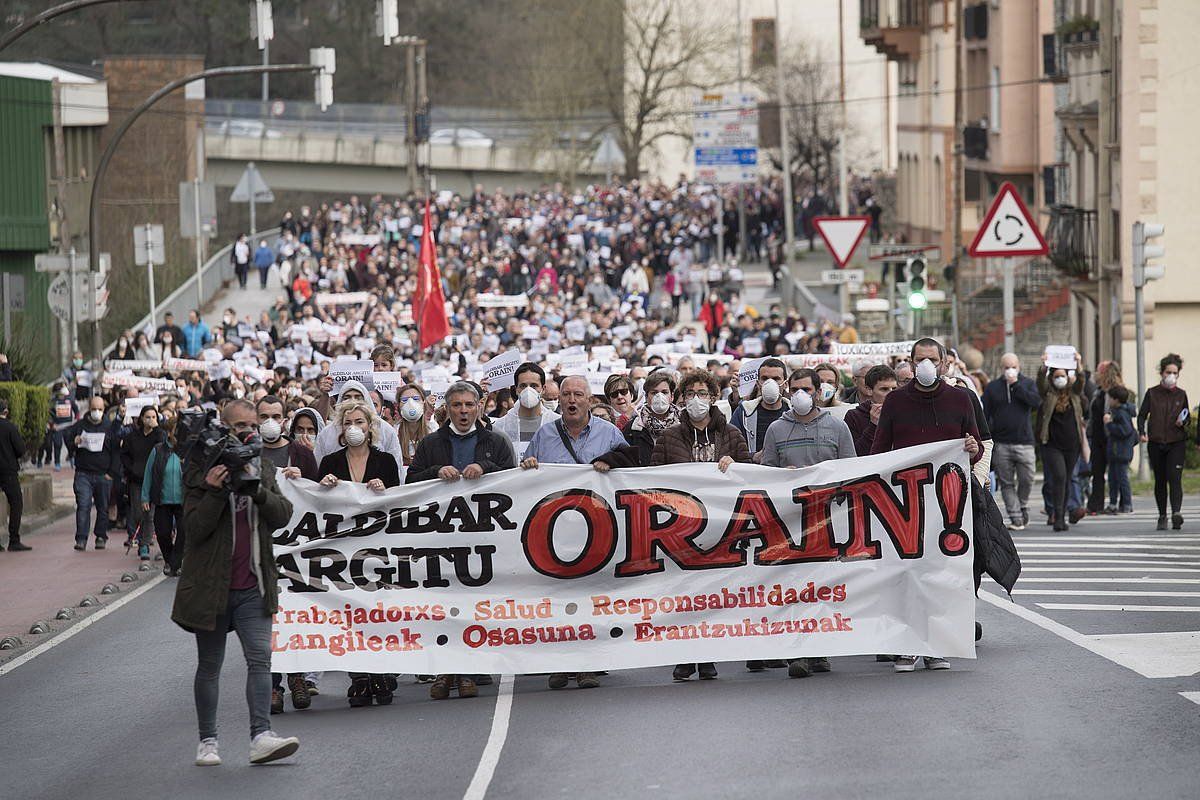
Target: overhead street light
(44, 17)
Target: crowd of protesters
(635, 340)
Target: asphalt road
(1053, 707)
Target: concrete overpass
(362, 148)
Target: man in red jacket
(926, 409)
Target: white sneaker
(933, 662)
(269, 746)
(905, 663)
(207, 755)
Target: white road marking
(1152, 655)
(495, 743)
(1109, 569)
(1075, 555)
(1104, 607)
(1113, 539)
(1193, 696)
(1109, 561)
(1104, 593)
(1110, 580)
(1108, 546)
(83, 624)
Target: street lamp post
(126, 124)
(44, 17)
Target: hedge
(28, 409)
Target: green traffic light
(917, 300)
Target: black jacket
(1009, 409)
(379, 465)
(12, 447)
(493, 452)
(135, 452)
(105, 462)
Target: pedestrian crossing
(1118, 587)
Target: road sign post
(251, 188)
(725, 145)
(149, 249)
(1008, 231)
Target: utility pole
(266, 78)
(421, 120)
(199, 238)
(956, 189)
(785, 155)
(410, 105)
(843, 188)
(1104, 236)
(741, 195)
(64, 228)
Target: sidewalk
(248, 302)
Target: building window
(994, 100)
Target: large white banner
(568, 569)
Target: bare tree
(811, 105)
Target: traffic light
(916, 271)
(387, 20)
(262, 23)
(1142, 252)
(323, 58)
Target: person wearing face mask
(93, 444)
(1106, 376)
(196, 335)
(462, 449)
(656, 415)
(12, 450)
(765, 405)
(550, 395)
(830, 384)
(168, 328)
(528, 414)
(1162, 423)
(327, 439)
(712, 316)
(414, 423)
(295, 459)
(925, 410)
(162, 496)
(136, 447)
(1061, 435)
(701, 435)
(76, 375)
(359, 461)
(62, 416)
(1008, 405)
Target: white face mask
(1011, 372)
(411, 409)
(827, 392)
(530, 397)
(927, 373)
(550, 405)
(1060, 382)
(1170, 379)
(95, 415)
(660, 403)
(270, 430)
(697, 408)
(802, 403)
(770, 392)
(355, 436)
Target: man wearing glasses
(576, 438)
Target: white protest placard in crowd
(810, 360)
(752, 346)
(531, 332)
(500, 371)
(134, 406)
(576, 330)
(386, 383)
(348, 369)
(1060, 356)
(118, 364)
(245, 331)
(596, 381)
(538, 349)
(873, 348)
(748, 376)
(310, 372)
(490, 300)
(574, 364)
(187, 364)
(436, 386)
(138, 382)
(604, 352)
(92, 442)
(729, 576)
(360, 239)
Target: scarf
(656, 425)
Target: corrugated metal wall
(25, 112)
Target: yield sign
(1008, 229)
(841, 235)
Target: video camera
(209, 439)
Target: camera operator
(232, 581)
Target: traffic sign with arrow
(1009, 229)
(841, 235)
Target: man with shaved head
(1008, 403)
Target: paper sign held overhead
(842, 235)
(1009, 229)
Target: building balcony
(893, 27)
(1073, 241)
(975, 141)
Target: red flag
(432, 324)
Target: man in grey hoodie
(805, 435)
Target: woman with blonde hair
(414, 424)
(1107, 375)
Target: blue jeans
(1119, 492)
(244, 614)
(91, 488)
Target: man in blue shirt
(575, 438)
(264, 257)
(196, 335)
